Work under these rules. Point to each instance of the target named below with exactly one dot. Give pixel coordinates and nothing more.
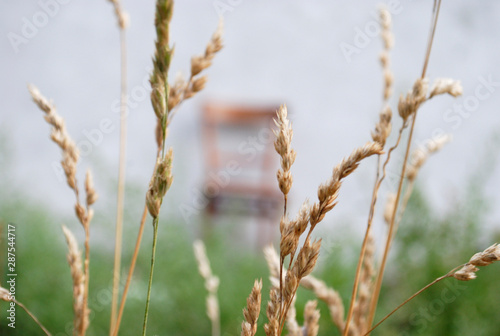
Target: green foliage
(426, 246)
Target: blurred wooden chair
(240, 160)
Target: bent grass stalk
(380, 275)
(131, 271)
(382, 132)
(5, 296)
(465, 272)
(122, 24)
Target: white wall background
(275, 51)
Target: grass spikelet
(311, 318)
(5, 296)
(272, 326)
(328, 295)
(75, 263)
(446, 86)
(328, 192)
(211, 285)
(283, 146)
(252, 311)
(121, 16)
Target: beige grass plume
(421, 154)
(182, 89)
(211, 285)
(328, 192)
(59, 135)
(272, 326)
(160, 183)
(388, 41)
(446, 86)
(283, 146)
(120, 14)
(311, 318)
(252, 311)
(481, 259)
(69, 162)
(75, 264)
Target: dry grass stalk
(272, 326)
(446, 86)
(421, 154)
(328, 295)
(319, 288)
(120, 14)
(311, 318)
(122, 18)
(252, 311)
(388, 41)
(70, 159)
(328, 192)
(407, 107)
(368, 271)
(5, 296)
(292, 326)
(464, 272)
(383, 127)
(481, 259)
(161, 64)
(307, 256)
(159, 184)
(390, 204)
(182, 89)
(289, 231)
(382, 131)
(283, 146)
(75, 264)
(211, 285)
(164, 100)
(60, 136)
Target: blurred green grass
(427, 246)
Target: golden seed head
(89, 189)
(466, 273)
(446, 85)
(5, 294)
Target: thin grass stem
(121, 180)
(33, 317)
(153, 254)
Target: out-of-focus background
(321, 59)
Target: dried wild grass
(308, 216)
(211, 285)
(166, 99)
(5, 296)
(84, 214)
(464, 272)
(252, 311)
(121, 16)
(75, 264)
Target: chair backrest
(241, 134)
